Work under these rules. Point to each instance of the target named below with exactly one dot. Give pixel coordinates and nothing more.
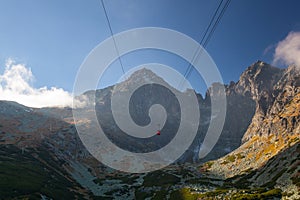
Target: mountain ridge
(261, 128)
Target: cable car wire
(112, 35)
(215, 20)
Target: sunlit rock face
(260, 134)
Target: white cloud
(288, 50)
(16, 85)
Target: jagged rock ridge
(270, 152)
(264, 103)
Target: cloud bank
(15, 85)
(287, 51)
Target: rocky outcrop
(240, 110)
(271, 88)
(270, 150)
(261, 135)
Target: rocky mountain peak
(261, 135)
(293, 68)
(144, 75)
(143, 72)
(258, 78)
(272, 89)
(139, 77)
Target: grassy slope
(26, 177)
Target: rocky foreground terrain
(256, 157)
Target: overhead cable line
(112, 35)
(215, 20)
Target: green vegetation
(183, 194)
(272, 183)
(128, 179)
(186, 194)
(230, 158)
(117, 190)
(291, 170)
(296, 180)
(160, 195)
(159, 178)
(185, 173)
(27, 177)
(141, 195)
(192, 181)
(202, 181)
(101, 198)
(264, 195)
(124, 178)
(209, 164)
(98, 181)
(243, 182)
(214, 193)
(23, 176)
(225, 193)
(240, 156)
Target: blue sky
(53, 37)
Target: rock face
(261, 92)
(240, 110)
(260, 138)
(248, 102)
(270, 153)
(271, 89)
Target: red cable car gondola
(158, 132)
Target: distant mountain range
(258, 147)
